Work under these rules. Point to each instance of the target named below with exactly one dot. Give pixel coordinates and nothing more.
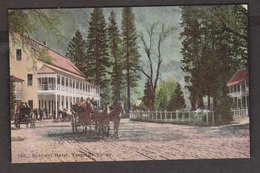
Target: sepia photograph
(110, 84)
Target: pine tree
(177, 100)
(114, 43)
(147, 98)
(97, 53)
(131, 54)
(77, 52)
(211, 53)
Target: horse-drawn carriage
(24, 115)
(85, 115)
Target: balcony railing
(18, 95)
(52, 87)
(239, 93)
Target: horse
(101, 120)
(84, 114)
(83, 111)
(115, 116)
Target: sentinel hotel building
(53, 84)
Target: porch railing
(239, 113)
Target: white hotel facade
(53, 85)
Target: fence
(239, 113)
(178, 117)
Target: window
(30, 103)
(67, 83)
(62, 81)
(77, 85)
(18, 55)
(58, 80)
(29, 79)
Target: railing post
(148, 115)
(156, 115)
(160, 115)
(182, 116)
(171, 115)
(165, 115)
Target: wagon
(81, 117)
(24, 115)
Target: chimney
(45, 43)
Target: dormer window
(18, 54)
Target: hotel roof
(238, 77)
(58, 60)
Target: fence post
(171, 116)
(148, 115)
(165, 115)
(160, 115)
(156, 115)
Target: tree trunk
(209, 102)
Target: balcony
(18, 95)
(239, 93)
(46, 89)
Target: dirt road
(55, 142)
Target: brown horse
(83, 112)
(115, 116)
(101, 120)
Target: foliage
(214, 47)
(131, 53)
(77, 52)
(97, 52)
(115, 53)
(12, 99)
(147, 98)
(163, 93)
(177, 100)
(24, 22)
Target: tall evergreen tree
(147, 98)
(97, 53)
(211, 53)
(77, 52)
(131, 54)
(114, 43)
(177, 100)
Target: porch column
(56, 105)
(69, 100)
(60, 100)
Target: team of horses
(87, 115)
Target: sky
(72, 20)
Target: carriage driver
(81, 103)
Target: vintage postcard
(129, 83)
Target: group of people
(82, 104)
